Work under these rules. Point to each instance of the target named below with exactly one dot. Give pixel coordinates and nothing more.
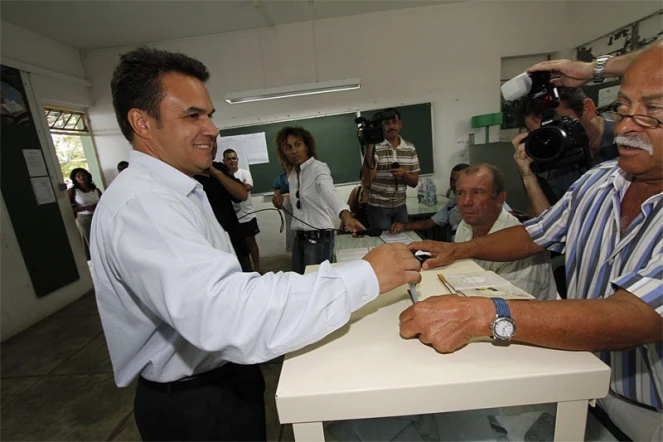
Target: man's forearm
(367, 175)
(411, 179)
(421, 225)
(235, 188)
(619, 322)
(509, 244)
(536, 199)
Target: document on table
(346, 255)
(396, 237)
(485, 284)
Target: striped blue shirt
(585, 225)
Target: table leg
(308, 431)
(571, 420)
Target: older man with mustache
(610, 224)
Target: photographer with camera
(390, 165)
(594, 145)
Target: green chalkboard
(39, 228)
(337, 145)
(336, 137)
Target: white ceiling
(96, 24)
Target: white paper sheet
(43, 190)
(234, 144)
(396, 237)
(253, 147)
(35, 162)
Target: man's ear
(140, 122)
(501, 198)
(588, 109)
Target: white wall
(449, 55)
(593, 19)
(19, 305)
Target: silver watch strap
(599, 67)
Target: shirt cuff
(361, 282)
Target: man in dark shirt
(222, 189)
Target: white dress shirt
(244, 209)
(320, 204)
(532, 274)
(172, 297)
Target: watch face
(503, 328)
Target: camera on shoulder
(371, 128)
(560, 141)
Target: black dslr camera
(371, 129)
(560, 141)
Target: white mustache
(635, 142)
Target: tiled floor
(57, 381)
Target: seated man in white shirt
(447, 215)
(480, 198)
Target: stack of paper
(346, 255)
(486, 284)
(396, 237)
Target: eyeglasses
(642, 120)
(299, 203)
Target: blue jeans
(307, 252)
(383, 217)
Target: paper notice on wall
(43, 190)
(608, 95)
(35, 162)
(462, 150)
(254, 147)
(235, 144)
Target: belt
(315, 234)
(194, 381)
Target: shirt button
(364, 298)
(611, 262)
(328, 329)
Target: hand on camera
(572, 73)
(523, 161)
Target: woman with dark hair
(315, 204)
(84, 197)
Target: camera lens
(546, 143)
(395, 165)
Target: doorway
(73, 143)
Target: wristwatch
(503, 326)
(599, 66)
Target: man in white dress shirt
(177, 311)
(480, 198)
(244, 209)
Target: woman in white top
(84, 197)
(315, 203)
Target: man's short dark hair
(459, 167)
(227, 151)
(394, 110)
(498, 177)
(136, 81)
(572, 97)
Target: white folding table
(366, 370)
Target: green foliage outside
(69, 150)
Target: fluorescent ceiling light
(294, 91)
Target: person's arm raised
(509, 244)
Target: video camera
(371, 129)
(560, 141)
